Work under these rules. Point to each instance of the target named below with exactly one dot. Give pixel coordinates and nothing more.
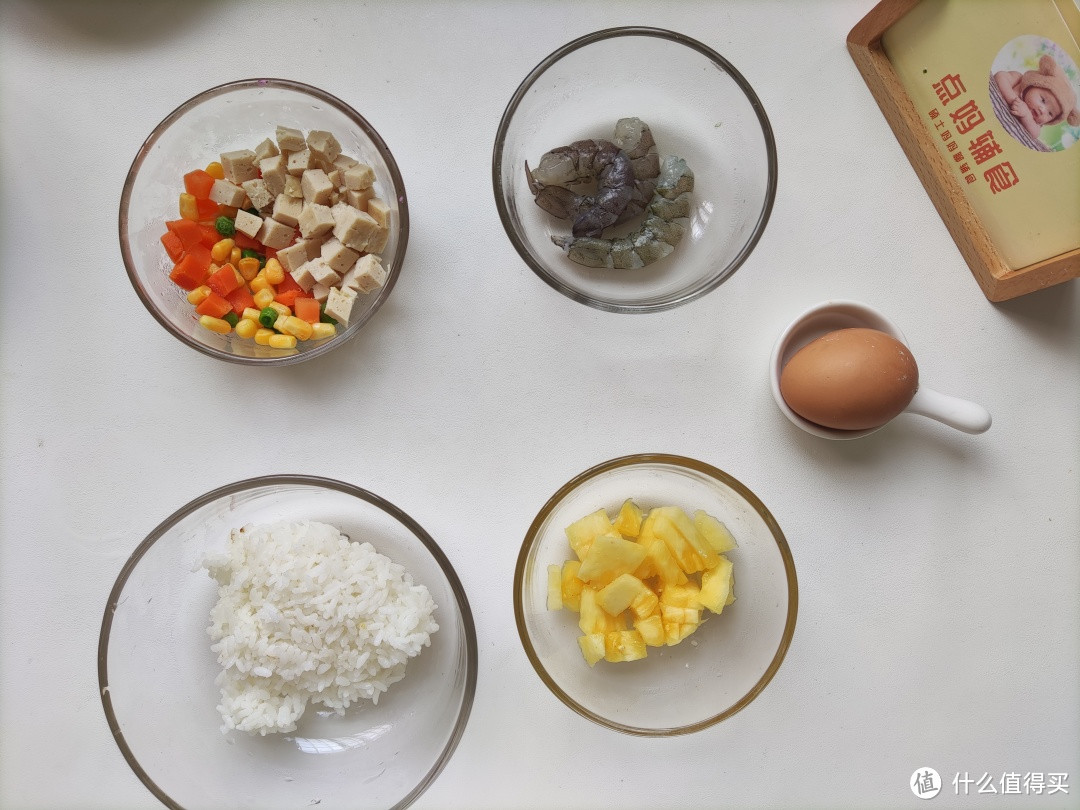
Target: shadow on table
(1049, 314)
(89, 23)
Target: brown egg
(850, 379)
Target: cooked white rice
(303, 614)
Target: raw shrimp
(658, 234)
(625, 170)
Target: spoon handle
(952, 411)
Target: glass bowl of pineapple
(655, 595)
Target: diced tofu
(323, 273)
(225, 193)
(320, 292)
(609, 556)
(324, 143)
(287, 209)
(343, 162)
(273, 174)
(359, 199)
(334, 176)
(354, 228)
(358, 177)
(302, 276)
(338, 256)
(275, 234)
(335, 198)
(339, 304)
(289, 139)
(239, 166)
(293, 256)
(584, 530)
(314, 246)
(248, 224)
(379, 211)
(259, 194)
(300, 162)
(316, 186)
(293, 188)
(592, 647)
(377, 242)
(366, 274)
(315, 220)
(266, 149)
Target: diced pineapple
(624, 645)
(608, 557)
(686, 595)
(645, 603)
(582, 532)
(716, 586)
(571, 585)
(592, 647)
(617, 596)
(590, 618)
(652, 630)
(647, 569)
(684, 552)
(674, 632)
(628, 521)
(666, 567)
(682, 615)
(731, 588)
(554, 590)
(714, 532)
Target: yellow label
(964, 64)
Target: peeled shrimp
(658, 234)
(625, 171)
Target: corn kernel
(221, 250)
(263, 298)
(282, 342)
(235, 255)
(198, 295)
(280, 307)
(291, 325)
(262, 336)
(215, 325)
(249, 268)
(246, 328)
(275, 273)
(216, 170)
(189, 207)
(259, 283)
(250, 314)
(321, 331)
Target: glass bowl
(698, 106)
(711, 674)
(240, 115)
(157, 672)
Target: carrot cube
(208, 209)
(306, 309)
(188, 273)
(214, 305)
(198, 183)
(241, 299)
(224, 281)
(173, 246)
(189, 233)
(288, 284)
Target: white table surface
(939, 611)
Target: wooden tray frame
(997, 280)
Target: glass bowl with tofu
(655, 595)
(263, 222)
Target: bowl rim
(598, 36)
(253, 84)
(471, 654)
(673, 461)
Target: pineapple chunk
(687, 595)
(628, 521)
(608, 557)
(592, 647)
(652, 631)
(714, 532)
(674, 632)
(666, 567)
(645, 603)
(647, 569)
(716, 586)
(582, 532)
(624, 645)
(571, 585)
(731, 588)
(616, 597)
(682, 615)
(554, 589)
(684, 552)
(590, 618)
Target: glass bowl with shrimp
(640, 188)
(236, 165)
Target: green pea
(225, 226)
(268, 317)
(232, 318)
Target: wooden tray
(998, 281)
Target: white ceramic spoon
(839, 314)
